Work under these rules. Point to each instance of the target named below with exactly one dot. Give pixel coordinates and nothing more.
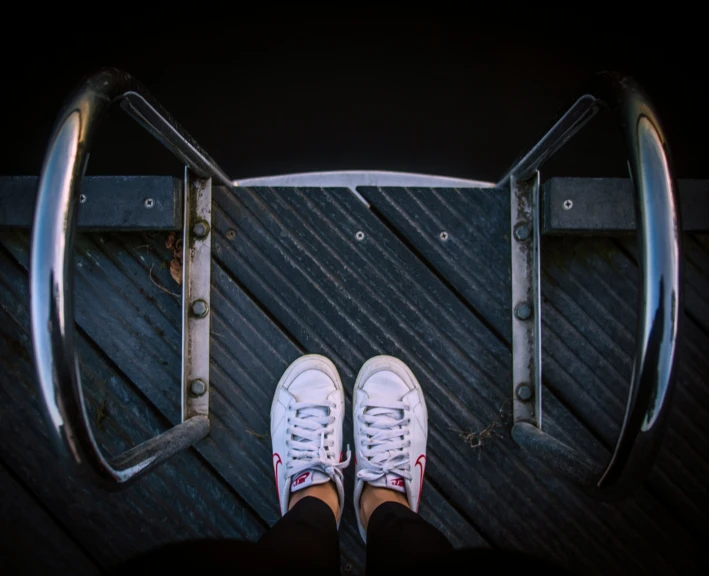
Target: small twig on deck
(160, 285)
(480, 438)
(259, 436)
(477, 439)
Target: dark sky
(270, 98)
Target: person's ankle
(325, 492)
(374, 496)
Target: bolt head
(523, 311)
(197, 387)
(200, 308)
(523, 232)
(524, 392)
(200, 229)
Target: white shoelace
(309, 447)
(383, 431)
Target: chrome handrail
(659, 306)
(52, 271)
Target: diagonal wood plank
(581, 358)
(183, 499)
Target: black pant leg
(304, 540)
(398, 538)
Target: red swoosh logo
(423, 468)
(276, 463)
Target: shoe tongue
(391, 481)
(308, 478)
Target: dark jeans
(306, 540)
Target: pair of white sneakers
(390, 429)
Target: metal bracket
(659, 226)
(52, 277)
(526, 304)
(196, 310)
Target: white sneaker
(390, 430)
(306, 428)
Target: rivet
(522, 232)
(198, 387)
(524, 392)
(200, 308)
(523, 311)
(568, 204)
(200, 229)
(149, 202)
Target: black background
(274, 97)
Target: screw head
(523, 311)
(524, 392)
(200, 308)
(82, 198)
(443, 235)
(197, 387)
(359, 236)
(149, 202)
(230, 234)
(568, 204)
(523, 232)
(200, 229)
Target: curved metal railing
(52, 271)
(51, 282)
(659, 307)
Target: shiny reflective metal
(526, 334)
(571, 122)
(355, 178)
(659, 307)
(443, 235)
(52, 272)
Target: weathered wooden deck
(288, 278)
